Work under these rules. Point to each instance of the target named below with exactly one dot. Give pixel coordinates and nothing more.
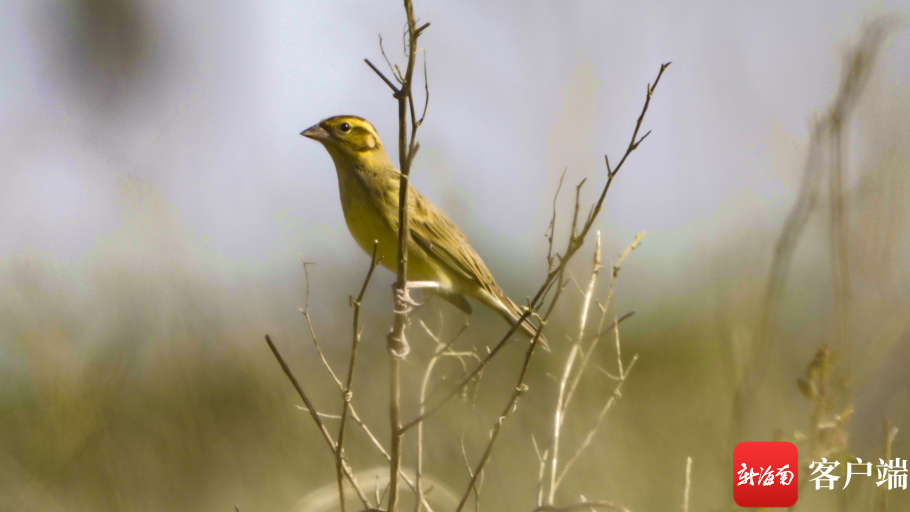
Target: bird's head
(349, 139)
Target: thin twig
(542, 458)
(395, 90)
(575, 243)
(567, 370)
(418, 490)
(685, 506)
(321, 414)
(614, 275)
(391, 68)
(397, 346)
(603, 412)
(348, 389)
(419, 471)
(520, 389)
(305, 311)
(317, 419)
(354, 415)
(551, 228)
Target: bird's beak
(315, 132)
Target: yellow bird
(439, 255)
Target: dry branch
(315, 415)
(442, 349)
(555, 282)
(575, 243)
(570, 361)
(685, 506)
(397, 345)
(347, 393)
(828, 130)
(566, 391)
(354, 415)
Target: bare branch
(603, 412)
(685, 506)
(315, 415)
(306, 315)
(426, 87)
(520, 389)
(567, 370)
(395, 73)
(572, 233)
(575, 243)
(633, 145)
(614, 275)
(552, 227)
(348, 389)
(395, 90)
(397, 346)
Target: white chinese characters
(825, 478)
(893, 473)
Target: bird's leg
(404, 304)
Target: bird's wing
(446, 244)
(441, 239)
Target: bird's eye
(344, 127)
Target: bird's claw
(404, 304)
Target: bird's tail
(511, 312)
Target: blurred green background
(155, 195)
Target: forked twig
(828, 128)
(315, 415)
(520, 389)
(558, 417)
(397, 346)
(347, 393)
(354, 415)
(614, 275)
(444, 348)
(603, 412)
(575, 243)
(566, 391)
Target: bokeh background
(155, 196)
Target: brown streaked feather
(442, 240)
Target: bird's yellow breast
(367, 211)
